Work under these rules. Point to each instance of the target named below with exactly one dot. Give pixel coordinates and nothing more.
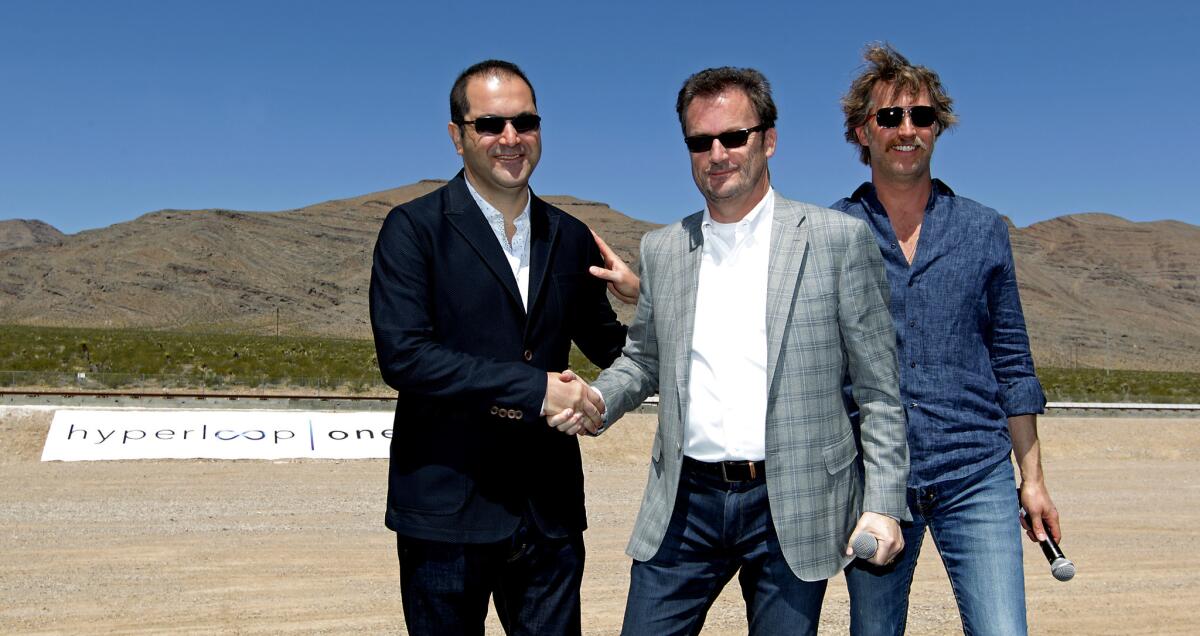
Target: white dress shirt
(517, 252)
(727, 392)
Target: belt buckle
(725, 472)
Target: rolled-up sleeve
(1012, 362)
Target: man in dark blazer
(477, 291)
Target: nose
(717, 153)
(509, 136)
(906, 128)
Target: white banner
(85, 435)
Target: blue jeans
(718, 529)
(976, 528)
(534, 580)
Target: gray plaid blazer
(827, 319)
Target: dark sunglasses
(921, 116)
(494, 124)
(729, 139)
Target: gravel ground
(298, 547)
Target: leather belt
(730, 471)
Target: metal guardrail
(651, 402)
(1122, 406)
(135, 382)
(1067, 406)
(195, 395)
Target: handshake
(572, 406)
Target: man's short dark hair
(712, 81)
(885, 64)
(459, 107)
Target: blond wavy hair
(886, 64)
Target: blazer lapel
(466, 217)
(789, 246)
(688, 249)
(543, 229)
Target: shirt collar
(495, 218)
(866, 192)
(751, 220)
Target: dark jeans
(718, 529)
(534, 579)
(975, 528)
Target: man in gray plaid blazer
(750, 314)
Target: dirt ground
(299, 547)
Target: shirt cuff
(603, 416)
(1023, 397)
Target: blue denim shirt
(965, 364)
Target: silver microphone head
(865, 545)
(1062, 569)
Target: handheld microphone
(1060, 566)
(865, 545)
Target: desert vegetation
(134, 358)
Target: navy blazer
(470, 452)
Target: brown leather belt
(730, 471)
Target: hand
(622, 282)
(885, 530)
(571, 405)
(1041, 515)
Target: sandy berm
(299, 547)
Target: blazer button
(512, 414)
(495, 410)
(528, 355)
(518, 414)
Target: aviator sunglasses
(921, 116)
(730, 139)
(494, 124)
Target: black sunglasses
(728, 139)
(494, 124)
(921, 116)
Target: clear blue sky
(109, 110)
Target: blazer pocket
(435, 490)
(840, 454)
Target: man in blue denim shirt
(966, 372)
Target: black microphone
(1060, 566)
(865, 545)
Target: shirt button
(912, 405)
(528, 355)
(912, 323)
(912, 365)
(893, 246)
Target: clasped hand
(572, 406)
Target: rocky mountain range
(1098, 291)
(26, 233)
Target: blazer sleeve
(410, 358)
(869, 339)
